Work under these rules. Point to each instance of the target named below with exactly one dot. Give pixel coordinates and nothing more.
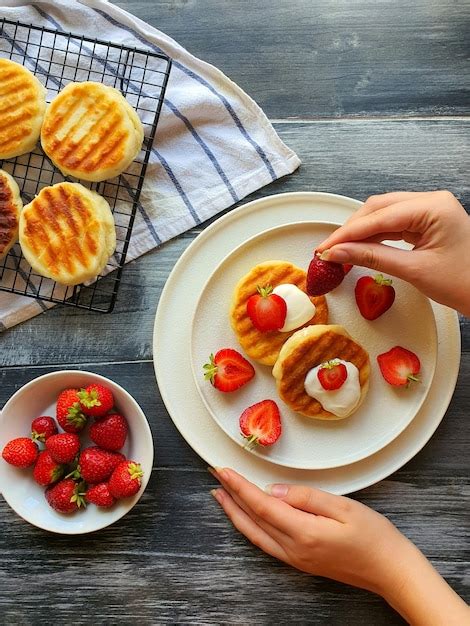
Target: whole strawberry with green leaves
(96, 465)
(20, 452)
(43, 427)
(67, 496)
(125, 480)
(69, 413)
(96, 400)
(47, 471)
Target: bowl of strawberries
(76, 452)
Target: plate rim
(447, 317)
(219, 422)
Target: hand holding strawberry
(323, 276)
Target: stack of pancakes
(67, 233)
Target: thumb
(377, 256)
(312, 500)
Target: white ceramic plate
(172, 341)
(307, 443)
(17, 486)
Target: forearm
(422, 596)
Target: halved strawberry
(228, 370)
(323, 276)
(332, 374)
(399, 366)
(261, 423)
(374, 295)
(266, 310)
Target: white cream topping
(300, 309)
(340, 402)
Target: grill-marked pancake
(308, 348)
(67, 233)
(91, 132)
(10, 208)
(265, 347)
(22, 107)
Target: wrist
(420, 594)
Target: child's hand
(435, 223)
(340, 538)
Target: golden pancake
(265, 347)
(10, 208)
(22, 107)
(308, 348)
(91, 132)
(67, 233)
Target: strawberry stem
(210, 369)
(381, 280)
(265, 291)
(251, 442)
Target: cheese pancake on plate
(67, 233)
(305, 350)
(10, 208)
(91, 132)
(265, 347)
(22, 108)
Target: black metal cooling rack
(57, 58)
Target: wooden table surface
(371, 95)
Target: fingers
(408, 215)
(313, 500)
(376, 256)
(273, 511)
(275, 533)
(247, 526)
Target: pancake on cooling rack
(299, 362)
(10, 207)
(22, 107)
(67, 233)
(91, 132)
(264, 347)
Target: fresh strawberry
(332, 374)
(96, 400)
(109, 432)
(347, 267)
(99, 495)
(125, 481)
(47, 471)
(64, 447)
(228, 370)
(96, 465)
(261, 423)
(266, 310)
(399, 366)
(66, 496)
(323, 276)
(69, 412)
(43, 427)
(20, 452)
(374, 295)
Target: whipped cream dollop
(300, 309)
(340, 402)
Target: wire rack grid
(57, 58)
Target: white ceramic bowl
(17, 486)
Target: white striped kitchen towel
(214, 144)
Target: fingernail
(221, 473)
(324, 255)
(278, 491)
(215, 494)
(337, 255)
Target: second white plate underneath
(307, 443)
